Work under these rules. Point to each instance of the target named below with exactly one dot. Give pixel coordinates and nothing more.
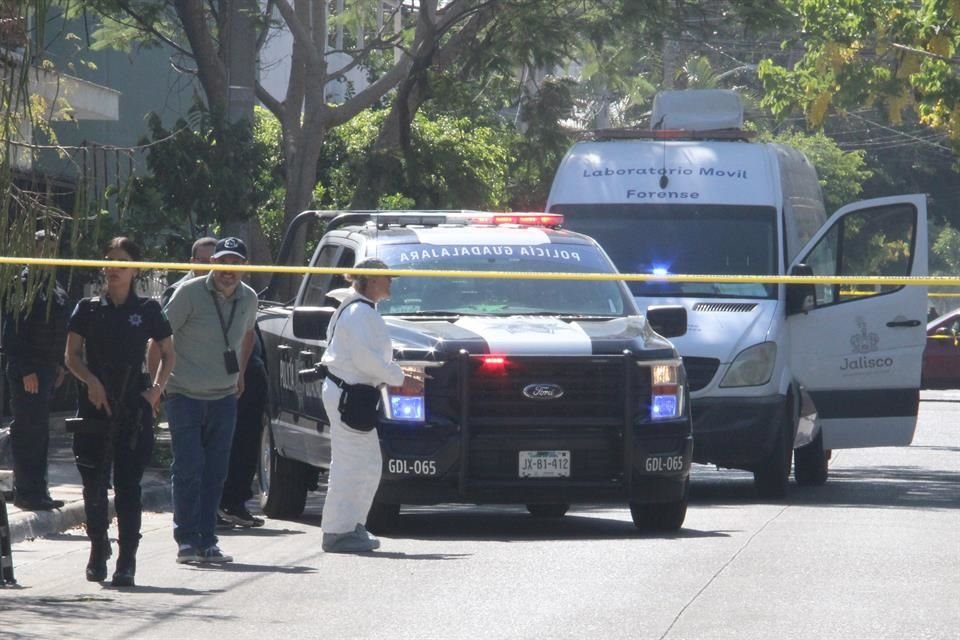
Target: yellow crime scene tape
(935, 281)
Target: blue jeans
(200, 435)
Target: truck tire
(663, 516)
(283, 482)
(548, 510)
(383, 517)
(810, 463)
(772, 475)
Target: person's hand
(153, 396)
(240, 385)
(98, 395)
(412, 385)
(61, 374)
(31, 383)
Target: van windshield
(411, 295)
(684, 239)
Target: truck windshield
(684, 239)
(473, 295)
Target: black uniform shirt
(116, 338)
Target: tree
(898, 55)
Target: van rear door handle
(903, 323)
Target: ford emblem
(543, 391)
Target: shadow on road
(510, 523)
(894, 487)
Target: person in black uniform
(33, 341)
(112, 332)
(237, 489)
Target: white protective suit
(359, 353)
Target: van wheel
(283, 482)
(383, 517)
(773, 474)
(661, 517)
(810, 463)
(548, 510)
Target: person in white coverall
(359, 351)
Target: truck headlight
(402, 406)
(752, 367)
(666, 392)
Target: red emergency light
(523, 219)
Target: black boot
(97, 565)
(126, 565)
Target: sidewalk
(65, 485)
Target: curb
(35, 524)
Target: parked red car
(941, 357)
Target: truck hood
(524, 335)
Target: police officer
(106, 345)
(33, 342)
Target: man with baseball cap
(213, 321)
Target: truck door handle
(903, 323)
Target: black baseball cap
(230, 247)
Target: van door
(857, 352)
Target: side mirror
(669, 321)
(310, 323)
(801, 297)
(943, 331)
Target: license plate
(544, 464)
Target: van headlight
(752, 367)
(666, 392)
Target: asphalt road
(874, 554)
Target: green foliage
(455, 163)
(841, 173)
(945, 252)
(203, 173)
(896, 55)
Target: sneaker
(356, 541)
(213, 555)
(362, 530)
(222, 523)
(239, 516)
(188, 553)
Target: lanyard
(225, 327)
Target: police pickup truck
(539, 391)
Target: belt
(337, 381)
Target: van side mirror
(669, 321)
(310, 323)
(802, 296)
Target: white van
(774, 369)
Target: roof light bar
(523, 219)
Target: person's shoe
(239, 516)
(126, 566)
(97, 565)
(356, 541)
(223, 524)
(45, 503)
(374, 540)
(188, 553)
(213, 555)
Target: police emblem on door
(543, 391)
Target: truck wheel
(772, 475)
(810, 463)
(663, 516)
(383, 517)
(283, 482)
(548, 510)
